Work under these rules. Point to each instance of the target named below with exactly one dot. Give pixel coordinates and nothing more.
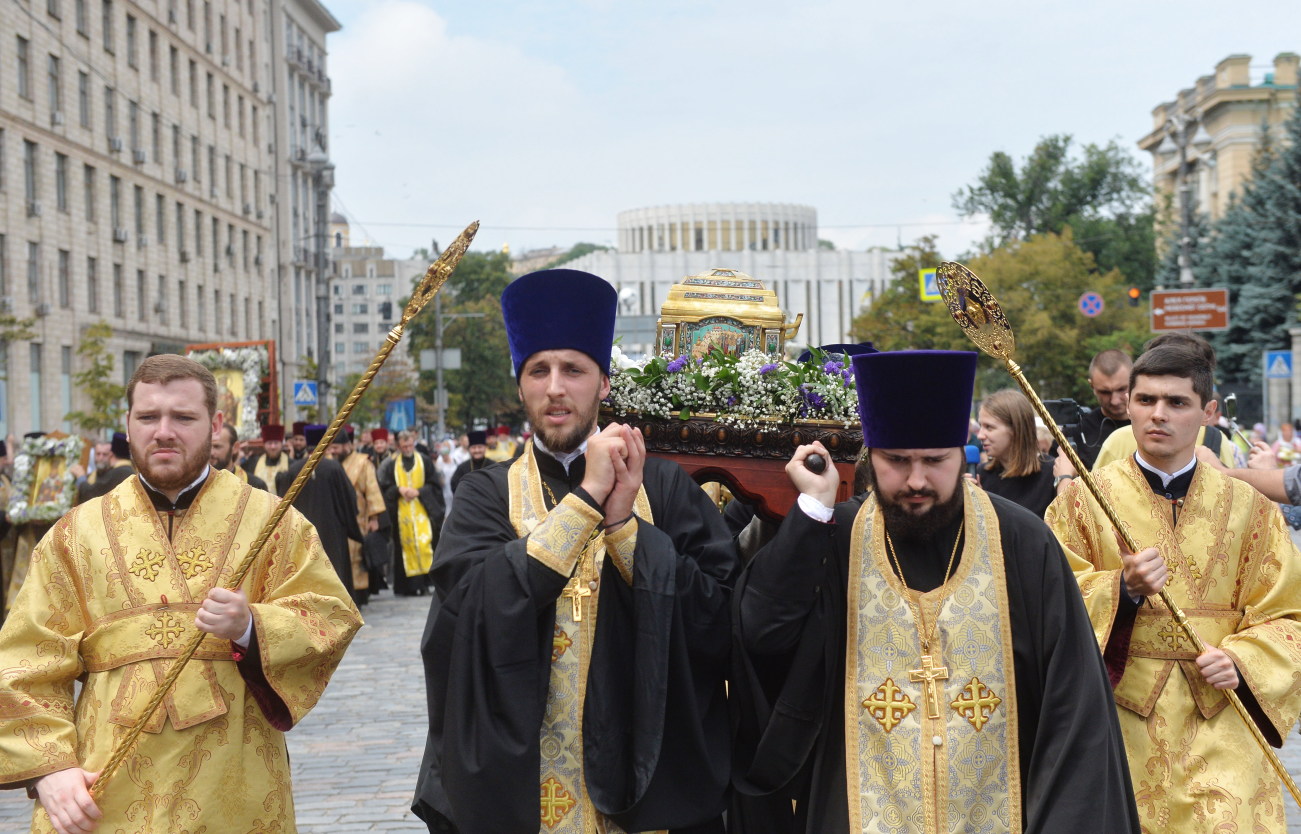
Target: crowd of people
(936, 641)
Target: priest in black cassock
(478, 459)
(118, 470)
(329, 501)
(576, 650)
(926, 633)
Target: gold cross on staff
(927, 676)
(575, 591)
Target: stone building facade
(1231, 106)
(144, 172)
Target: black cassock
(104, 482)
(655, 734)
(431, 498)
(329, 501)
(788, 683)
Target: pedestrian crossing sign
(304, 392)
(928, 287)
(1278, 364)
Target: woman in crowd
(1014, 467)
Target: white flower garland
(252, 361)
(20, 510)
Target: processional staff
(429, 286)
(979, 315)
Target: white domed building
(776, 243)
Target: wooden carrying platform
(749, 461)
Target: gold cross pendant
(927, 676)
(575, 591)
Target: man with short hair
(917, 658)
(1221, 551)
(372, 514)
(225, 455)
(576, 655)
(478, 459)
(272, 460)
(116, 589)
(413, 495)
(328, 500)
(298, 441)
(116, 469)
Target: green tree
(575, 252)
(395, 381)
(1101, 193)
(106, 397)
(483, 390)
(1038, 283)
(1254, 249)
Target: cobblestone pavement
(356, 755)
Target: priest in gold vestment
(1222, 552)
(114, 591)
(372, 514)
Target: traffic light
(1134, 295)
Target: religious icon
(230, 395)
(48, 484)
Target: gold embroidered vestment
(111, 597)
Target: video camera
(1067, 414)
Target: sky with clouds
(545, 119)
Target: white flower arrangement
(20, 509)
(252, 362)
(739, 390)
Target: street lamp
(1179, 134)
(322, 182)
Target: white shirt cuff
(813, 508)
(248, 635)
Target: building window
(153, 55)
(180, 227)
(339, 327)
(131, 58)
(360, 309)
(174, 69)
(110, 113)
(212, 97)
(64, 279)
(361, 347)
(338, 309)
(55, 73)
(194, 85)
(34, 384)
(79, 12)
(161, 305)
(83, 98)
(359, 289)
(92, 285)
(202, 316)
(61, 182)
(138, 203)
(160, 218)
(198, 233)
(29, 171)
(383, 289)
(115, 202)
(133, 125)
(65, 381)
(119, 292)
(156, 136)
(340, 347)
(54, 8)
(216, 311)
(107, 15)
(194, 159)
(24, 69)
(88, 188)
(130, 361)
(33, 272)
(225, 105)
(4, 274)
(140, 295)
(182, 313)
(360, 327)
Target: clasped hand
(225, 613)
(616, 457)
(822, 487)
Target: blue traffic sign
(304, 392)
(1091, 304)
(1278, 364)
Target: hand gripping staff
(977, 312)
(433, 281)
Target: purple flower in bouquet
(677, 365)
(767, 369)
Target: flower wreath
(252, 361)
(20, 509)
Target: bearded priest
(116, 590)
(575, 655)
(918, 658)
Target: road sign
(1206, 309)
(1278, 364)
(304, 392)
(451, 359)
(1091, 304)
(927, 286)
(400, 415)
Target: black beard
(913, 527)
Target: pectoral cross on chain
(576, 591)
(927, 676)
